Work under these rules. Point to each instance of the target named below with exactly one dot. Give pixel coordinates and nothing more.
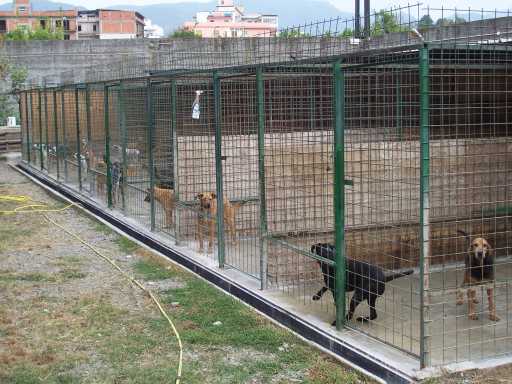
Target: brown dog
(101, 178)
(166, 199)
(479, 269)
(208, 214)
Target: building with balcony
(22, 16)
(230, 20)
(95, 24)
(110, 24)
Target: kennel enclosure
(385, 152)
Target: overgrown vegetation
(39, 33)
(12, 79)
(183, 33)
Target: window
(58, 23)
(3, 26)
(66, 25)
(94, 28)
(42, 23)
(66, 37)
(79, 28)
(22, 9)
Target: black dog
(367, 281)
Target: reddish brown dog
(479, 270)
(167, 200)
(207, 216)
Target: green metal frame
(77, 126)
(151, 128)
(56, 133)
(124, 142)
(40, 112)
(29, 129)
(424, 207)
(339, 191)
(89, 136)
(46, 130)
(260, 89)
(106, 116)
(221, 248)
(63, 117)
(175, 152)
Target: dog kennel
(386, 148)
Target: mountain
(43, 5)
(172, 16)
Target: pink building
(229, 20)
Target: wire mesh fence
(372, 186)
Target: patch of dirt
(47, 272)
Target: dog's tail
(396, 275)
(238, 204)
(465, 234)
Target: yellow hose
(31, 208)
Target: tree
(425, 22)
(12, 79)
(386, 22)
(347, 32)
(22, 33)
(182, 33)
(292, 33)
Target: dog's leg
(492, 306)
(354, 302)
(199, 234)
(471, 304)
(211, 230)
(320, 293)
(460, 297)
(373, 312)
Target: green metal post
(260, 88)
(174, 132)
(56, 133)
(218, 171)
(40, 112)
(124, 142)
(339, 191)
(424, 209)
(399, 106)
(89, 138)
(22, 124)
(106, 115)
(46, 129)
(29, 130)
(78, 151)
(64, 135)
(149, 111)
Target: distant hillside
(43, 5)
(172, 16)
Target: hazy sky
(344, 5)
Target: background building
(229, 20)
(94, 24)
(22, 16)
(110, 24)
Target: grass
(151, 270)
(35, 277)
(126, 245)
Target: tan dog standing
(479, 269)
(207, 216)
(167, 200)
